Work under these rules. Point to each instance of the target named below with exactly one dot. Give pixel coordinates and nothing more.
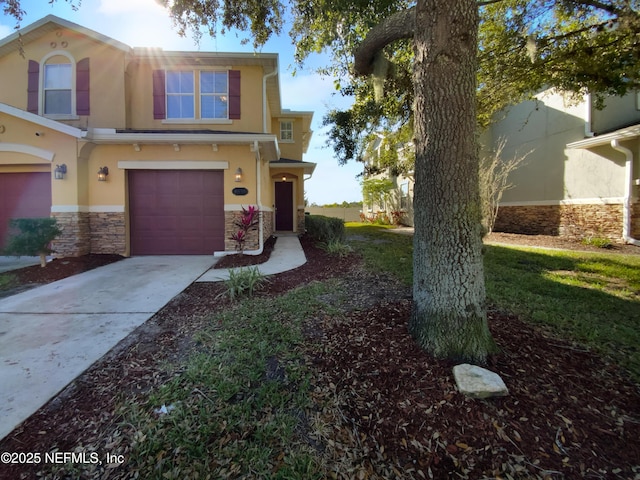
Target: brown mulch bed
(570, 414)
(237, 260)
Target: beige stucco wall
(107, 65)
(551, 172)
(291, 150)
(618, 112)
(140, 84)
(21, 134)
(113, 191)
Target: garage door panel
(23, 195)
(176, 212)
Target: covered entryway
(23, 195)
(176, 212)
(284, 206)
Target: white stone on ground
(478, 382)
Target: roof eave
(42, 121)
(628, 133)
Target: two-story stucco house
(144, 151)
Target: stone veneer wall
(301, 222)
(230, 227)
(635, 220)
(75, 239)
(108, 233)
(572, 221)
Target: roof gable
(49, 24)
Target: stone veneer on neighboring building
(573, 221)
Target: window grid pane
(180, 94)
(286, 131)
(57, 89)
(214, 95)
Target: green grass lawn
(591, 298)
(243, 404)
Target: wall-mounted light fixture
(284, 178)
(102, 174)
(239, 175)
(60, 171)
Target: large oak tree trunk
(449, 316)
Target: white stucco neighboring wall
(553, 174)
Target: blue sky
(142, 23)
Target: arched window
(57, 86)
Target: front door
(284, 206)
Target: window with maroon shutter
(33, 81)
(159, 104)
(234, 94)
(82, 87)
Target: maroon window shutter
(234, 94)
(33, 80)
(159, 104)
(82, 87)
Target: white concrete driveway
(49, 335)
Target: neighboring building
(187, 139)
(581, 174)
(397, 204)
(581, 177)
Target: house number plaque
(240, 191)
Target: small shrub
(600, 242)
(34, 237)
(324, 229)
(244, 282)
(249, 220)
(336, 247)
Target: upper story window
(198, 96)
(286, 130)
(180, 95)
(58, 86)
(214, 95)
(57, 89)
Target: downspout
(256, 148)
(626, 207)
(588, 132)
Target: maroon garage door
(23, 195)
(176, 212)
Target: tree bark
(449, 315)
(396, 27)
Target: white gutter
(626, 206)
(264, 97)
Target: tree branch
(396, 27)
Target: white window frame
(42, 90)
(180, 94)
(284, 130)
(224, 95)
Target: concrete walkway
(286, 255)
(51, 334)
